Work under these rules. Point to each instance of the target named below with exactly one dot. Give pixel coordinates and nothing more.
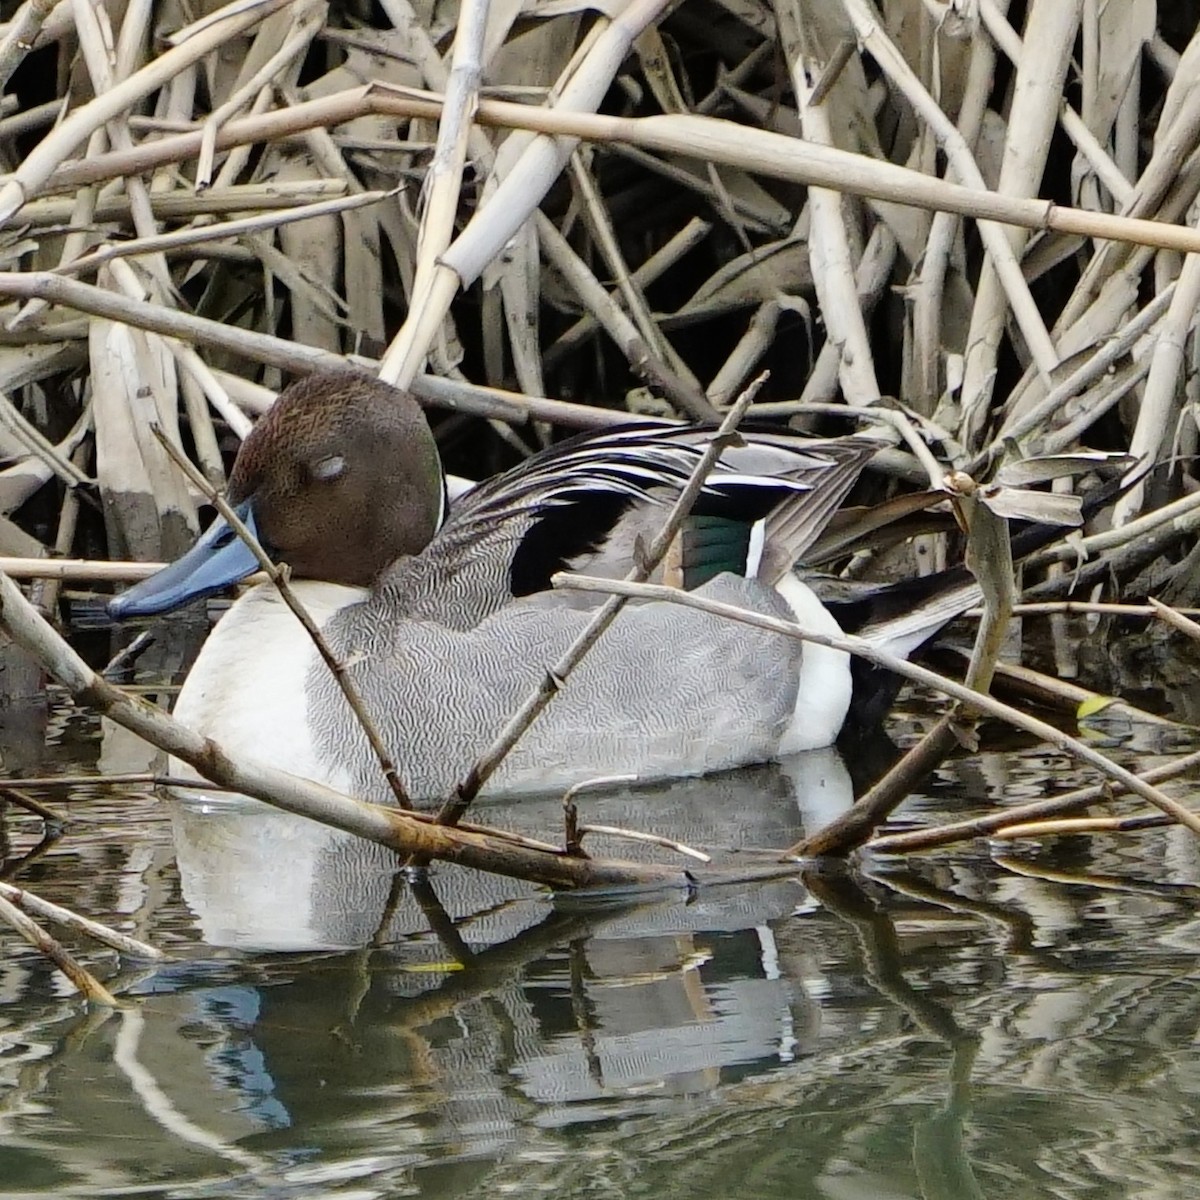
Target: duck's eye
(327, 470)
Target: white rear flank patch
(823, 695)
(754, 553)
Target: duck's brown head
(339, 479)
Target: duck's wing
(586, 502)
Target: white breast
(247, 690)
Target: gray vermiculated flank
(667, 690)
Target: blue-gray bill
(219, 559)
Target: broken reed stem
(557, 675)
(196, 235)
(15, 795)
(64, 916)
(711, 139)
(279, 577)
(403, 832)
(1072, 826)
(37, 166)
(456, 395)
(93, 991)
(440, 196)
(989, 555)
(1057, 806)
(22, 33)
(651, 839)
(922, 675)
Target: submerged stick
(1057, 806)
(94, 992)
(73, 920)
(401, 831)
(1073, 826)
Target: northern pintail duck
(446, 619)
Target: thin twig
(922, 675)
(196, 235)
(92, 989)
(557, 675)
(64, 916)
(388, 826)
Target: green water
(951, 1026)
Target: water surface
(983, 1021)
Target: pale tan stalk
(81, 212)
(531, 176)
(685, 396)
(744, 357)
(25, 432)
(78, 570)
(57, 145)
(1174, 618)
(306, 23)
(440, 197)
(289, 356)
(963, 165)
(1181, 516)
(199, 235)
(1110, 175)
(1162, 399)
(599, 225)
(661, 261)
(755, 150)
(932, 333)
(829, 244)
(1037, 93)
(286, 194)
(21, 34)
(870, 279)
(1106, 356)
(1175, 138)
(95, 39)
(210, 386)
